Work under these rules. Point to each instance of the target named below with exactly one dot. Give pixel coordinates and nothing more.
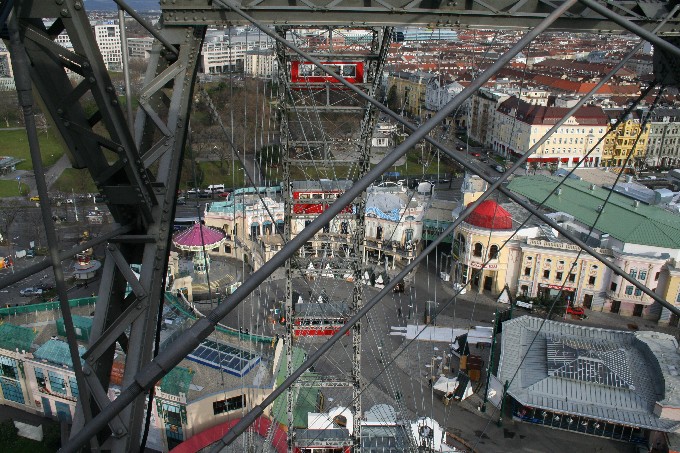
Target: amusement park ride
(135, 160)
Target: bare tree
(9, 109)
(9, 211)
(35, 221)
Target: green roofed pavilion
(622, 218)
(57, 353)
(177, 381)
(15, 337)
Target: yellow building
(479, 239)
(547, 265)
(410, 91)
(618, 144)
(669, 289)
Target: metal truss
(137, 168)
(508, 14)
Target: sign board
(495, 391)
(479, 266)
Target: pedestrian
(399, 312)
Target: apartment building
(518, 125)
(627, 144)
(107, 36)
(261, 63)
(663, 143)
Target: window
(546, 273)
(613, 286)
(10, 385)
(656, 277)
(572, 278)
(40, 378)
(633, 273)
(642, 276)
(527, 271)
(8, 371)
(558, 276)
(228, 405)
(172, 414)
(57, 383)
(74, 386)
(591, 280)
(629, 290)
(493, 252)
(677, 299)
(478, 250)
(638, 292)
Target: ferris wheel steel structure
(137, 168)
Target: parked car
(30, 253)
(36, 198)
(46, 286)
(181, 200)
(576, 311)
(475, 154)
(31, 292)
(460, 288)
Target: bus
(181, 223)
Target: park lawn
(10, 188)
(73, 180)
(15, 144)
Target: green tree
(393, 97)
(8, 434)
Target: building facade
(107, 37)
(663, 144)
(518, 125)
(627, 144)
(261, 63)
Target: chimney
(592, 187)
(559, 191)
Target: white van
(216, 188)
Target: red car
(475, 155)
(576, 311)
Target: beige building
(518, 125)
(479, 239)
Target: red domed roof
(490, 215)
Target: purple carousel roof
(190, 239)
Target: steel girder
(137, 171)
(142, 180)
(509, 14)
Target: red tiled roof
(539, 114)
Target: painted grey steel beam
(191, 338)
(126, 66)
(147, 26)
(507, 14)
(22, 78)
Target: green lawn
(78, 181)
(10, 188)
(15, 144)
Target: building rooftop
(15, 338)
(177, 381)
(611, 375)
(621, 218)
(490, 215)
(56, 352)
